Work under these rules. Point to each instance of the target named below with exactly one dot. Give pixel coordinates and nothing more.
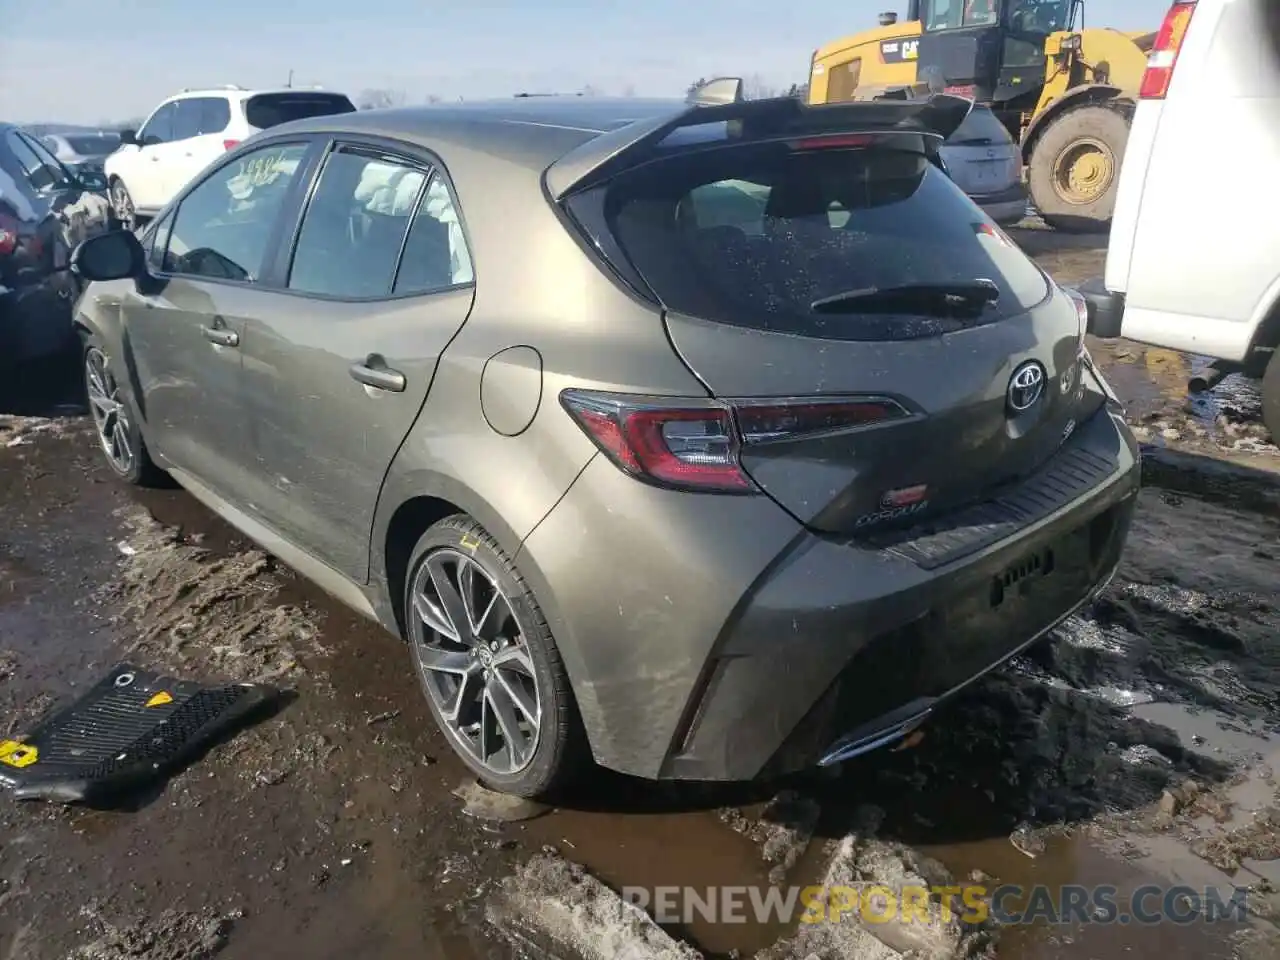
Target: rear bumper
(1106, 309)
(832, 647)
(35, 321)
(1006, 207)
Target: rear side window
(272, 109)
(355, 226)
(754, 235)
(93, 146)
(199, 116)
(215, 114)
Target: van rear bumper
(1105, 307)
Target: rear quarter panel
(1206, 228)
(535, 288)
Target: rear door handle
(221, 336)
(374, 372)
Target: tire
(1100, 134)
(1271, 397)
(122, 205)
(560, 753)
(138, 469)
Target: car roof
(245, 93)
(533, 131)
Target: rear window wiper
(931, 299)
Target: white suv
(1193, 262)
(189, 131)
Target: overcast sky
(67, 60)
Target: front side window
(159, 129)
(355, 225)
(186, 119)
(155, 242)
(222, 227)
(949, 14)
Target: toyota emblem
(1026, 386)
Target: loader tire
(1075, 168)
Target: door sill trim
(337, 584)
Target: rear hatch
(981, 156)
(871, 327)
(266, 110)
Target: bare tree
(378, 98)
(755, 87)
(693, 87)
(589, 91)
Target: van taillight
(230, 144)
(1164, 55)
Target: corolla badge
(1026, 386)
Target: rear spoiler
(608, 154)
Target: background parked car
(45, 211)
(82, 151)
(986, 163)
(189, 131)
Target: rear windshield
(272, 109)
(93, 145)
(981, 127)
(752, 235)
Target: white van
(1194, 257)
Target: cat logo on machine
(900, 51)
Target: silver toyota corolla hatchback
(707, 441)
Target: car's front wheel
(488, 664)
(117, 428)
(122, 205)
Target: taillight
(695, 444)
(8, 235)
(230, 144)
(1164, 55)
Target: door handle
(374, 372)
(221, 336)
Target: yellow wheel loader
(1065, 92)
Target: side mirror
(128, 137)
(115, 255)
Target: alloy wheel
(122, 203)
(110, 414)
(473, 659)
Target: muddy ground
(1137, 745)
